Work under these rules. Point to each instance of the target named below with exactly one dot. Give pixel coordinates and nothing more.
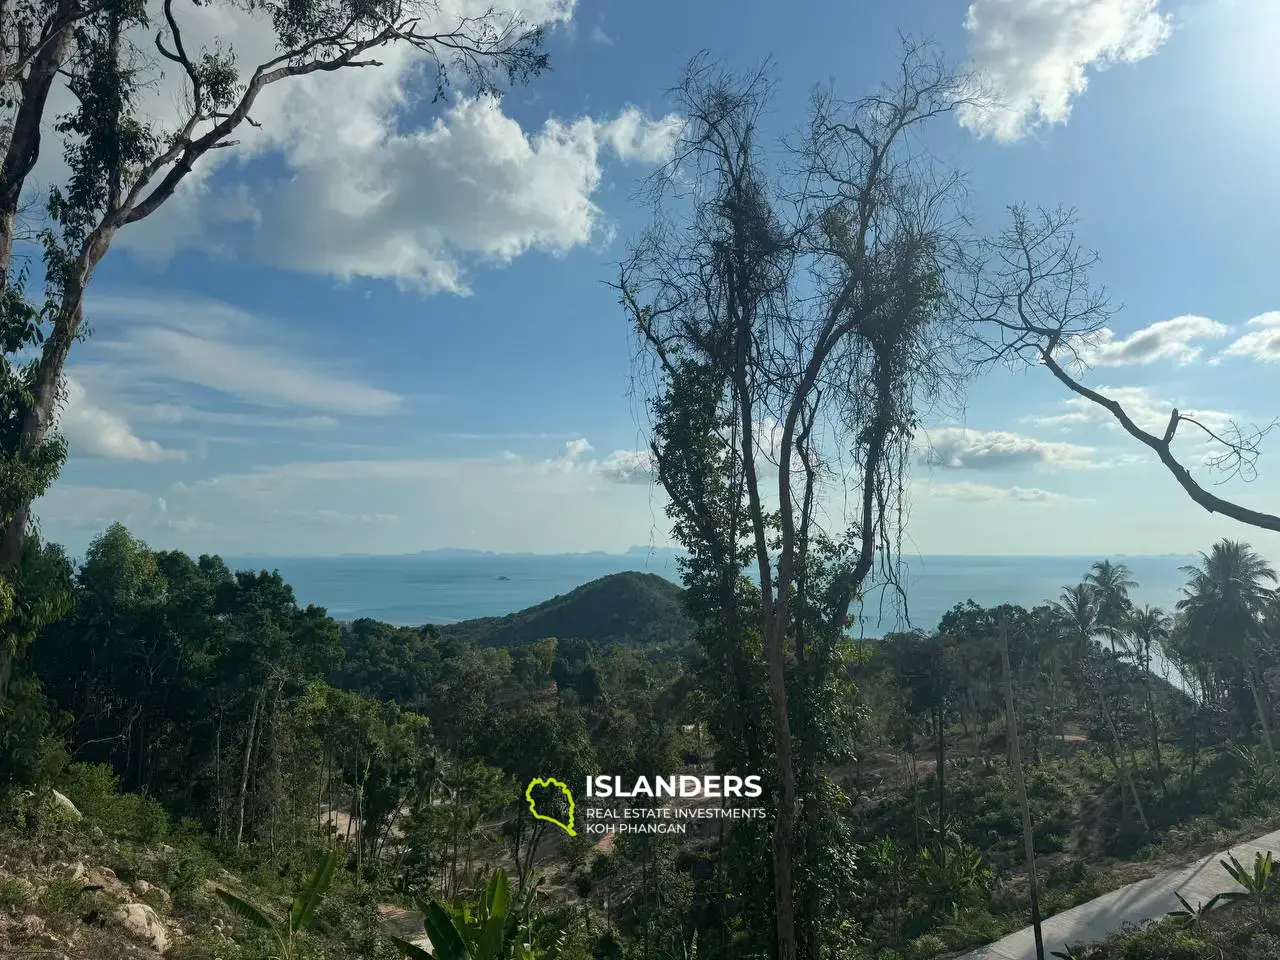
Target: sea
(447, 586)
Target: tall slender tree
(801, 331)
(1224, 607)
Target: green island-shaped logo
(533, 804)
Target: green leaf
(446, 941)
(304, 907)
(254, 915)
(249, 911)
(496, 903)
(412, 950)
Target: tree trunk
(1123, 761)
(1155, 728)
(249, 742)
(1255, 685)
(1028, 837)
(23, 148)
(942, 787)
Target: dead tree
(1031, 301)
(803, 318)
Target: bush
(93, 788)
(16, 893)
(186, 875)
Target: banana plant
(1259, 884)
(1189, 917)
(461, 933)
(286, 933)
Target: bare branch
(1029, 300)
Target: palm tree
(1150, 628)
(1225, 604)
(1079, 626)
(1111, 583)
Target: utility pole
(1015, 756)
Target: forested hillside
(622, 607)
(202, 722)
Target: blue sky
(382, 325)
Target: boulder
(70, 871)
(64, 803)
(143, 924)
(144, 889)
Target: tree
(1149, 628)
(782, 337)
(1111, 584)
(1080, 625)
(1031, 287)
(123, 169)
(1226, 598)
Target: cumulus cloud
(621, 466)
(376, 182)
(1262, 342)
(628, 466)
(1164, 340)
(418, 207)
(957, 448)
(92, 431)
(985, 493)
(1036, 55)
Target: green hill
(627, 607)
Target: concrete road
(1134, 904)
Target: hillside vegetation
(215, 735)
(621, 607)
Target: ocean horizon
(447, 586)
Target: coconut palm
(1149, 628)
(1079, 628)
(1111, 583)
(1225, 606)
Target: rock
(144, 889)
(143, 924)
(106, 879)
(64, 803)
(71, 871)
(166, 850)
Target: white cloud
(1163, 340)
(1146, 408)
(377, 183)
(212, 345)
(377, 506)
(1036, 55)
(177, 414)
(985, 493)
(92, 431)
(1262, 342)
(957, 448)
(576, 448)
(633, 136)
(419, 207)
(629, 466)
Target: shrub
(93, 788)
